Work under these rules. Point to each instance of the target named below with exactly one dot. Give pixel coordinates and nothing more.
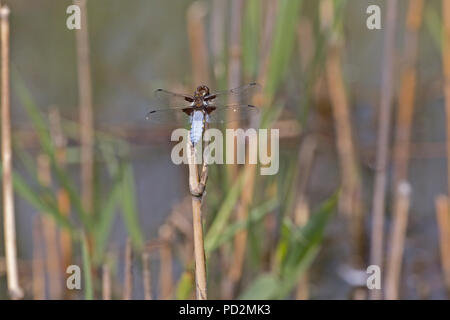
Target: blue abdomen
(196, 127)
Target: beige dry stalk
(60, 143)
(86, 110)
(106, 282)
(443, 219)
(146, 275)
(402, 148)
(53, 265)
(384, 126)
(197, 185)
(38, 265)
(9, 225)
(128, 278)
(166, 260)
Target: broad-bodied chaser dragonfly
(204, 107)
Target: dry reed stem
(86, 109)
(197, 187)
(14, 289)
(197, 44)
(234, 73)
(402, 149)
(38, 264)
(443, 219)
(106, 282)
(407, 91)
(301, 211)
(446, 64)
(128, 278)
(350, 203)
(60, 143)
(397, 240)
(217, 37)
(166, 258)
(384, 126)
(146, 275)
(50, 234)
(301, 219)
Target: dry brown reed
(382, 155)
(350, 201)
(443, 219)
(146, 275)
(402, 148)
(197, 44)
(38, 264)
(53, 265)
(106, 282)
(397, 241)
(86, 109)
(301, 210)
(128, 274)
(60, 143)
(166, 260)
(14, 289)
(197, 185)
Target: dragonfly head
(201, 92)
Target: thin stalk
(86, 109)
(128, 278)
(443, 219)
(38, 261)
(50, 234)
(146, 275)
(350, 200)
(166, 276)
(106, 282)
(397, 241)
(197, 185)
(384, 126)
(446, 64)
(197, 44)
(8, 196)
(402, 148)
(60, 142)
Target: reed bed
(244, 235)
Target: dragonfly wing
(237, 95)
(169, 97)
(170, 116)
(232, 113)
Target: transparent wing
(237, 95)
(175, 116)
(169, 97)
(232, 113)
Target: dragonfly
(204, 107)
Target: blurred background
(363, 157)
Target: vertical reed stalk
(384, 126)
(128, 278)
(50, 234)
(197, 44)
(197, 186)
(217, 37)
(86, 110)
(166, 273)
(397, 241)
(301, 211)
(38, 265)
(350, 202)
(443, 219)
(446, 64)
(8, 196)
(60, 142)
(146, 275)
(106, 282)
(401, 149)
